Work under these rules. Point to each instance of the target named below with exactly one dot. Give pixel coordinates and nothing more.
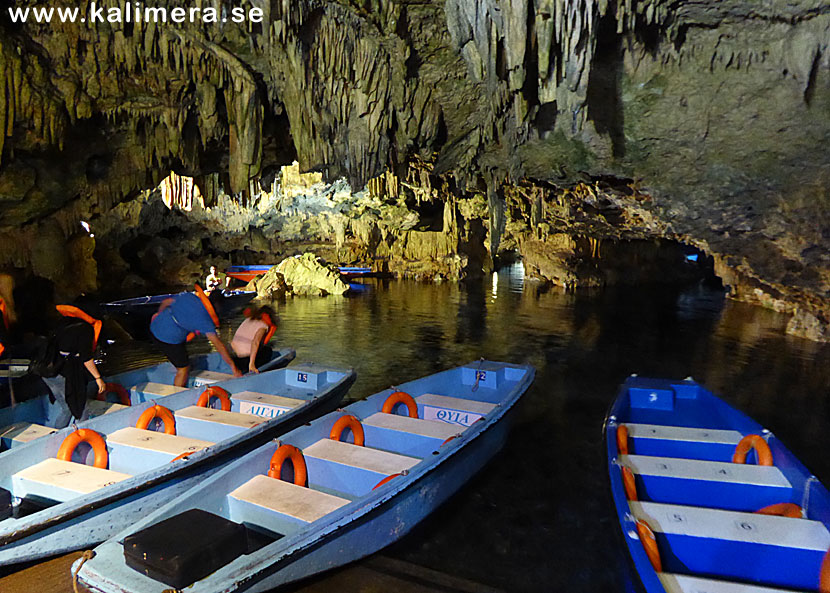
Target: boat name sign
(262, 409)
(450, 416)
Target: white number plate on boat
(450, 416)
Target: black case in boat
(185, 548)
(5, 504)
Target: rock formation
(547, 126)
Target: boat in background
(34, 418)
(247, 273)
(52, 501)
(344, 499)
(708, 500)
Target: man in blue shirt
(178, 317)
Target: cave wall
(716, 113)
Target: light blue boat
(34, 417)
(708, 500)
(61, 502)
(358, 499)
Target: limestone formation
(714, 114)
(306, 274)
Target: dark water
(538, 518)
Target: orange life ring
(824, 575)
(782, 509)
(160, 412)
(629, 483)
(753, 441)
(283, 453)
(353, 424)
(214, 391)
(622, 439)
(85, 435)
(649, 544)
(117, 389)
(184, 455)
(384, 480)
(400, 397)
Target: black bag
(47, 360)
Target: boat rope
(87, 555)
(805, 499)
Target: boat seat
(54, 479)
(265, 404)
(734, 486)
(216, 425)
(97, 408)
(351, 469)
(679, 441)
(453, 410)
(294, 502)
(408, 436)
(21, 433)
(201, 378)
(151, 390)
(137, 450)
(733, 545)
(679, 583)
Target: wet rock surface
(714, 114)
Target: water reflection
(539, 518)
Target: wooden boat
(345, 500)
(134, 314)
(34, 417)
(708, 500)
(349, 272)
(247, 273)
(58, 503)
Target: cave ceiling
(718, 110)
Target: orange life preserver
(753, 441)
(207, 304)
(283, 453)
(824, 575)
(400, 397)
(72, 311)
(622, 439)
(649, 544)
(4, 313)
(117, 389)
(782, 509)
(384, 480)
(85, 435)
(272, 327)
(160, 412)
(629, 483)
(214, 391)
(350, 422)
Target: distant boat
(247, 273)
(708, 500)
(134, 314)
(53, 502)
(344, 499)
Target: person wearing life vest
(76, 337)
(250, 342)
(214, 280)
(178, 317)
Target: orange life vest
(208, 307)
(71, 311)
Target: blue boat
(362, 478)
(708, 500)
(34, 417)
(84, 483)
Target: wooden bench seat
(678, 583)
(97, 408)
(683, 433)
(381, 462)
(679, 441)
(452, 410)
(265, 404)
(157, 389)
(155, 441)
(709, 471)
(297, 502)
(23, 432)
(200, 378)
(62, 480)
(219, 416)
(427, 428)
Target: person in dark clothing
(75, 339)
